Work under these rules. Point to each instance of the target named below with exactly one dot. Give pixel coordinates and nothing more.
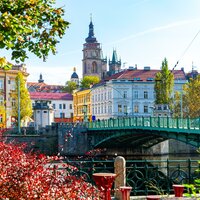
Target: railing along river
(144, 176)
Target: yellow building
(7, 88)
(82, 105)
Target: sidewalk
(170, 197)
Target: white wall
(107, 98)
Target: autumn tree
(164, 82)
(187, 102)
(70, 86)
(25, 101)
(30, 26)
(88, 81)
(36, 176)
(2, 116)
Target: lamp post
(19, 128)
(85, 113)
(181, 104)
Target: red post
(104, 183)
(125, 192)
(178, 190)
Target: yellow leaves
(32, 2)
(20, 39)
(1, 37)
(3, 62)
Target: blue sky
(142, 31)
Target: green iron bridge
(142, 131)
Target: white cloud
(156, 29)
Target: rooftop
(144, 75)
(50, 96)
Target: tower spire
(91, 38)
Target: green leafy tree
(187, 103)
(25, 101)
(88, 81)
(164, 82)
(70, 87)
(30, 26)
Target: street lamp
(18, 91)
(85, 113)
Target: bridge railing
(151, 122)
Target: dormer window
(150, 79)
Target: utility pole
(181, 104)
(19, 128)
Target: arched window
(94, 67)
(85, 68)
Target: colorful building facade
(82, 105)
(7, 89)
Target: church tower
(93, 62)
(114, 64)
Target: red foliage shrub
(28, 176)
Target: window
(125, 94)
(13, 102)
(54, 106)
(101, 108)
(1, 84)
(95, 110)
(64, 106)
(1, 100)
(1, 118)
(9, 81)
(136, 79)
(110, 109)
(62, 115)
(70, 106)
(136, 109)
(145, 94)
(44, 111)
(119, 108)
(60, 106)
(85, 68)
(109, 95)
(165, 107)
(13, 85)
(135, 94)
(94, 67)
(98, 109)
(145, 109)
